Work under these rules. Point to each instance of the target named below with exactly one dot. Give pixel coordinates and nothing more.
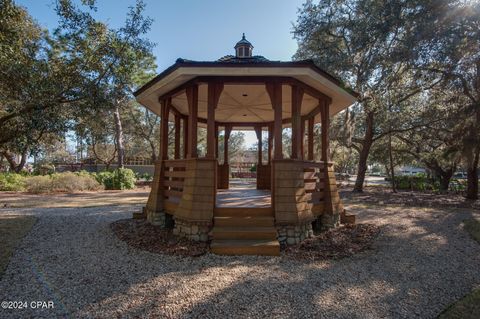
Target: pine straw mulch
(138, 233)
(337, 243)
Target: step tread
(245, 217)
(242, 212)
(244, 229)
(243, 242)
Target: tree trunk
(119, 138)
(14, 167)
(392, 165)
(445, 176)
(364, 152)
(23, 161)
(445, 183)
(154, 151)
(472, 177)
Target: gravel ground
(422, 261)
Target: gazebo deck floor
(243, 194)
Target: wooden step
(244, 233)
(255, 221)
(245, 247)
(242, 211)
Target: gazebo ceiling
(243, 104)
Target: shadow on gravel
(419, 268)
(422, 261)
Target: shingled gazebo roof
(243, 71)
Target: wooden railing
(173, 179)
(315, 181)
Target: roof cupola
(243, 48)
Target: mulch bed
(384, 196)
(337, 243)
(141, 235)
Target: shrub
(145, 176)
(419, 182)
(124, 178)
(148, 177)
(61, 182)
(121, 178)
(12, 182)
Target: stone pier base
(294, 234)
(156, 218)
(192, 230)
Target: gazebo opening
(242, 179)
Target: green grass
(468, 306)
(12, 229)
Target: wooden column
(258, 131)
(192, 98)
(325, 129)
(275, 92)
(310, 138)
(185, 136)
(177, 137)
(216, 141)
(228, 130)
(270, 143)
(297, 96)
(165, 108)
(214, 91)
(302, 140)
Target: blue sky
(200, 30)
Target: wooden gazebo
(245, 92)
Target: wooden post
(275, 92)
(177, 137)
(302, 140)
(216, 141)
(214, 91)
(270, 143)
(324, 113)
(310, 138)
(297, 96)
(165, 108)
(228, 130)
(258, 131)
(192, 98)
(185, 137)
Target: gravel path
(422, 261)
